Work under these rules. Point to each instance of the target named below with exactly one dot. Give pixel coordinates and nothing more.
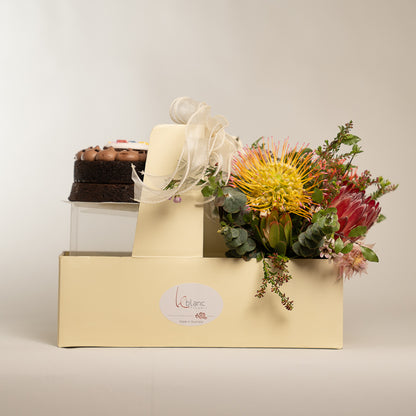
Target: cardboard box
(116, 302)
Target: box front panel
(116, 301)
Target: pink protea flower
(354, 209)
(350, 263)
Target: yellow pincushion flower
(275, 177)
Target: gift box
(176, 288)
(113, 301)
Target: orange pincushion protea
(278, 178)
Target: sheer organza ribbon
(207, 145)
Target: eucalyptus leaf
(302, 239)
(313, 236)
(234, 200)
(312, 244)
(243, 234)
(296, 248)
(234, 243)
(227, 234)
(240, 238)
(249, 245)
(327, 212)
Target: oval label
(191, 304)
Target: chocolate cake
(104, 175)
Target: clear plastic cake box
(104, 227)
(175, 290)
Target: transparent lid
(102, 227)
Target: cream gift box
(115, 302)
(175, 290)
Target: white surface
(78, 73)
(372, 375)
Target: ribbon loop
(207, 145)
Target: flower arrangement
(283, 202)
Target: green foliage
(369, 254)
(358, 231)
(339, 165)
(337, 156)
(213, 184)
(234, 200)
(347, 248)
(232, 203)
(339, 245)
(256, 144)
(237, 240)
(317, 196)
(327, 220)
(383, 187)
(172, 184)
(380, 218)
(350, 139)
(331, 149)
(324, 225)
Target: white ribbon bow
(207, 145)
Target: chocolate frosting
(142, 155)
(129, 155)
(90, 154)
(108, 154)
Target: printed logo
(191, 304)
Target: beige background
(77, 73)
